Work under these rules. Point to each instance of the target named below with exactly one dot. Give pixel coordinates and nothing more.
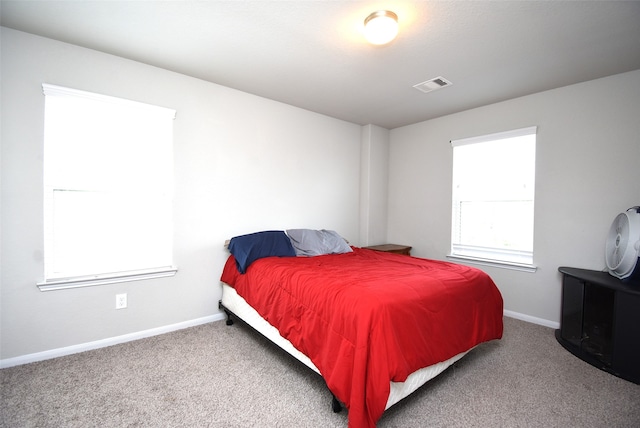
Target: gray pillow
(309, 242)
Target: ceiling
(311, 54)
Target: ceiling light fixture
(381, 27)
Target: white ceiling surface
(311, 54)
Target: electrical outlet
(121, 301)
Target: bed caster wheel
(229, 321)
(335, 405)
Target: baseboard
(61, 352)
(533, 320)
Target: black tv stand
(600, 321)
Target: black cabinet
(600, 321)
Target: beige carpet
(220, 376)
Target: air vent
(433, 84)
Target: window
(493, 198)
(108, 185)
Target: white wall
(245, 163)
(242, 164)
(587, 171)
(374, 180)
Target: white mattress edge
(236, 304)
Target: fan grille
(622, 244)
(620, 228)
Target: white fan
(623, 243)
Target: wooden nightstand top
(392, 248)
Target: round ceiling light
(381, 27)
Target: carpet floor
(216, 375)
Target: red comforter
(367, 318)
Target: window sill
(91, 280)
(522, 267)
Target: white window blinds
(493, 197)
(108, 185)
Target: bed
(376, 326)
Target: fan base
(629, 277)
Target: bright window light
(493, 197)
(108, 185)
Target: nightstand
(392, 248)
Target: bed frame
(234, 305)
